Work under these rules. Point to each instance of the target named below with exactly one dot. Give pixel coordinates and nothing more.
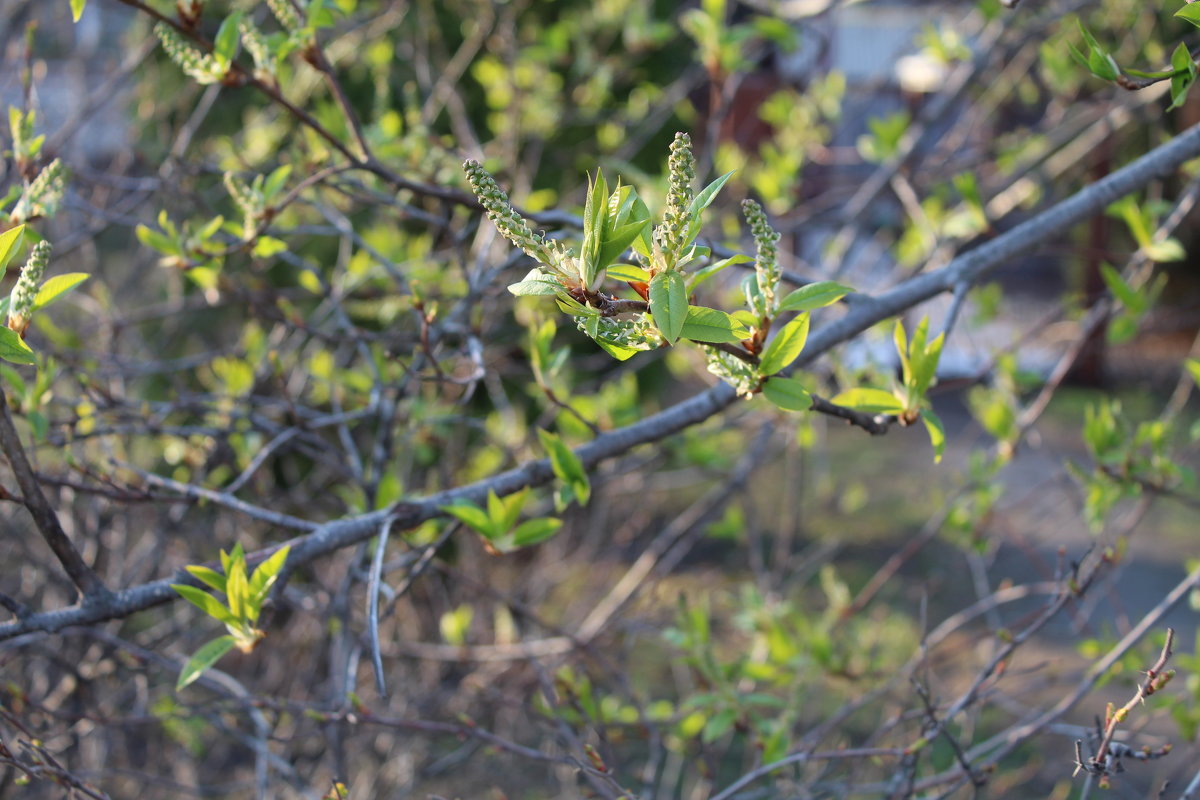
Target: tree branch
(969, 266)
(44, 517)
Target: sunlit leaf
(814, 295)
(668, 303)
(204, 658)
(872, 401)
(785, 346)
(56, 287)
(787, 393)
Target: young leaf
(205, 602)
(56, 287)
(204, 658)
(566, 465)
(77, 7)
(1190, 12)
(785, 346)
(225, 43)
(1166, 250)
(902, 350)
(535, 530)
(700, 202)
(925, 364)
(617, 242)
(710, 325)
(814, 295)
(10, 240)
(628, 273)
(210, 577)
(1125, 294)
(618, 351)
(237, 588)
(594, 213)
(265, 574)
(668, 303)
(704, 273)
(512, 507)
(573, 307)
(705, 196)
(473, 517)
(14, 349)
(872, 401)
(787, 393)
(937, 433)
(275, 181)
(1184, 74)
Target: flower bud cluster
(739, 374)
(258, 48)
(506, 219)
(42, 196)
(681, 173)
(637, 333)
(250, 202)
(766, 263)
(20, 302)
(201, 67)
(285, 12)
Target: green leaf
(537, 283)
(496, 511)
(668, 304)
(1184, 73)
(594, 213)
(1190, 12)
(1165, 250)
(785, 346)
(628, 273)
(56, 287)
(208, 576)
(573, 307)
(699, 276)
(718, 725)
(705, 196)
(204, 658)
(10, 240)
(267, 246)
(265, 575)
(814, 295)
(618, 351)
(472, 516)
(787, 393)
(155, 240)
(618, 241)
(642, 245)
(275, 181)
(1098, 60)
(14, 349)
(534, 531)
(513, 505)
(205, 602)
(701, 201)
(225, 43)
(937, 433)
(237, 588)
(710, 325)
(77, 7)
(901, 342)
(1125, 294)
(872, 401)
(567, 466)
